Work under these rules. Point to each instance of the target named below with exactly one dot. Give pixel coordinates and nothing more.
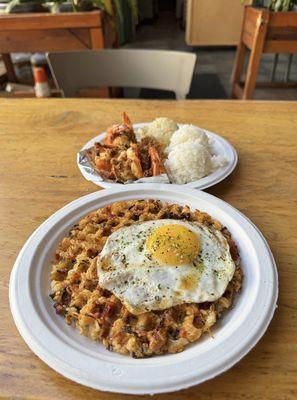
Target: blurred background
(210, 29)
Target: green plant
(282, 5)
(133, 4)
(111, 7)
(276, 5)
(13, 3)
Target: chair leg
(9, 67)
(97, 39)
(180, 95)
(97, 43)
(255, 56)
(251, 76)
(237, 70)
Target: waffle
(98, 314)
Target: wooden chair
(153, 69)
(262, 31)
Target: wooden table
(47, 32)
(39, 140)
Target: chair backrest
(153, 69)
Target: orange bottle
(42, 88)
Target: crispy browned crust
(114, 163)
(100, 315)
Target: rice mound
(188, 162)
(188, 148)
(218, 161)
(185, 133)
(161, 129)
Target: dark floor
(166, 33)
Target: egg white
(127, 268)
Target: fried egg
(158, 264)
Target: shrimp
(120, 135)
(156, 162)
(135, 162)
(103, 160)
(126, 120)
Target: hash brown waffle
(98, 314)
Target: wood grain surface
(39, 141)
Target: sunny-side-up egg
(158, 264)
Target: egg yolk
(173, 244)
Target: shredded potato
(98, 314)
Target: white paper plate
(220, 146)
(89, 363)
